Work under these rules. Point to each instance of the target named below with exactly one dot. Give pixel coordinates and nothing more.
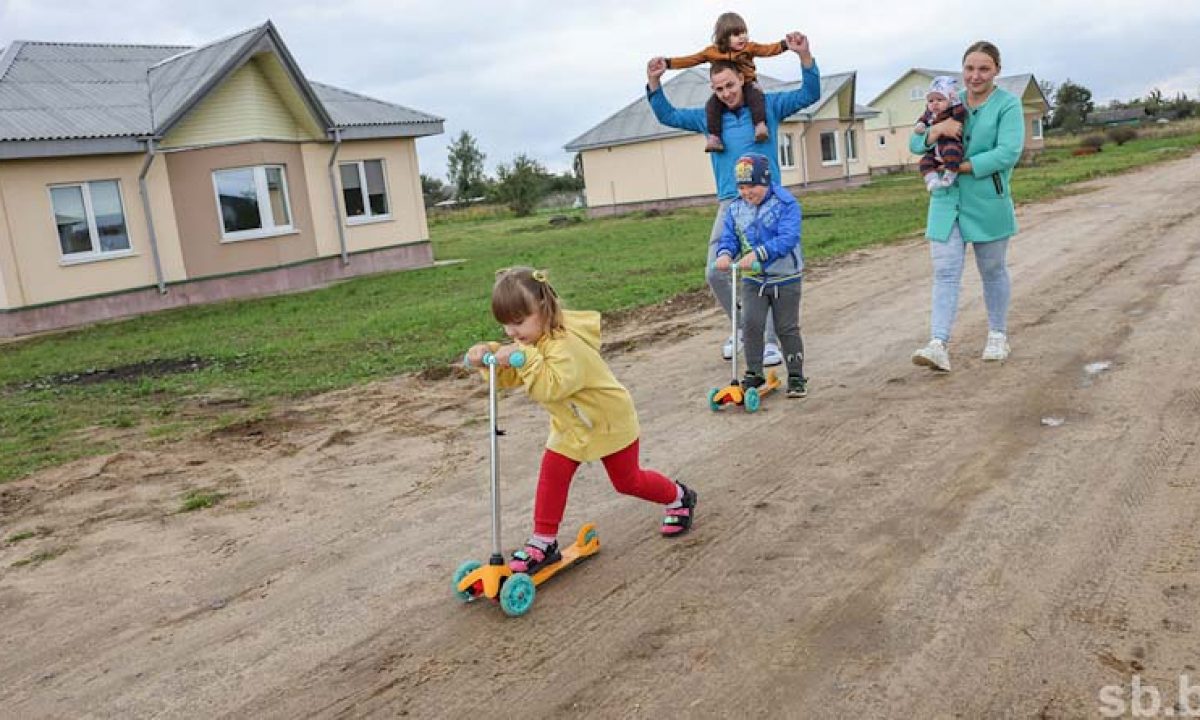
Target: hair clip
(539, 275)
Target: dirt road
(900, 544)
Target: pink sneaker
(534, 556)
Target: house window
(851, 146)
(1037, 128)
(90, 219)
(253, 202)
(364, 191)
(917, 93)
(882, 141)
(829, 148)
(787, 154)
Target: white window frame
(851, 144)
(916, 93)
(1038, 130)
(265, 212)
(368, 217)
(96, 254)
(882, 140)
(837, 148)
(791, 151)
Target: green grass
(252, 354)
(39, 558)
(199, 500)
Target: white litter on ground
(1097, 367)
(1052, 421)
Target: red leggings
(627, 478)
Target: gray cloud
(526, 76)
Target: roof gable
(1015, 84)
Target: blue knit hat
(752, 169)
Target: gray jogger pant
(757, 305)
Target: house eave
(27, 149)
(396, 130)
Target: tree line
(1072, 103)
(519, 184)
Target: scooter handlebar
(756, 267)
(516, 360)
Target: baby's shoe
(932, 182)
(948, 178)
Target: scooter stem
(495, 464)
(736, 335)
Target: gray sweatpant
(758, 303)
(719, 281)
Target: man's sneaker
(933, 355)
(727, 348)
(678, 520)
(997, 346)
(797, 386)
(753, 380)
(534, 556)
(771, 355)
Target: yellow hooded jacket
(591, 414)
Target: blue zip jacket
(770, 230)
(737, 129)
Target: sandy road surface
(900, 544)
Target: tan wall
(894, 153)
(35, 272)
(408, 222)
(673, 168)
(204, 252)
(807, 152)
(253, 104)
(10, 288)
(1031, 143)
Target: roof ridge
(9, 55)
(69, 43)
(189, 50)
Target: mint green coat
(981, 201)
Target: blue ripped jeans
(948, 258)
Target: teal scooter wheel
(753, 400)
(516, 596)
(464, 570)
(712, 399)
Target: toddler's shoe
(797, 386)
(534, 556)
(678, 520)
(714, 144)
(760, 132)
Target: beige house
(633, 162)
(901, 104)
(135, 178)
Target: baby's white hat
(946, 85)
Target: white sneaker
(997, 346)
(933, 355)
(727, 348)
(771, 355)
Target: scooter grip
(516, 360)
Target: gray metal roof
(691, 88)
(52, 92)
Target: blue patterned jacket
(771, 231)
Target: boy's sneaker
(753, 380)
(714, 144)
(771, 355)
(797, 386)
(934, 355)
(997, 346)
(534, 556)
(727, 348)
(678, 520)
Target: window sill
(831, 163)
(89, 258)
(368, 220)
(787, 167)
(259, 234)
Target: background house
(633, 162)
(138, 177)
(903, 101)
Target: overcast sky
(529, 76)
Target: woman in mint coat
(977, 209)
